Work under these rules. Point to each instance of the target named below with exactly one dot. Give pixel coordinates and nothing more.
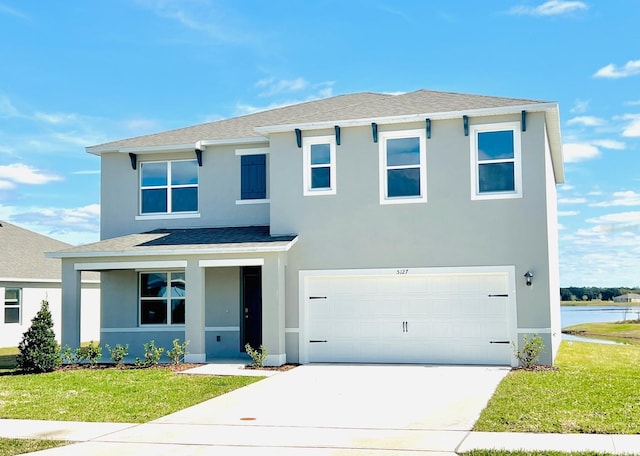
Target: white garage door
(405, 318)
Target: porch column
(194, 325)
(71, 299)
(273, 308)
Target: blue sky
(79, 73)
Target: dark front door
(251, 306)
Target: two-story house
(368, 227)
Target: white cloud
(89, 171)
(55, 118)
(4, 9)
(574, 152)
(625, 198)
(318, 91)
(6, 185)
(631, 68)
(568, 213)
(566, 187)
(272, 86)
(610, 144)
(7, 109)
(633, 103)
(580, 106)
(624, 218)
(587, 121)
(24, 174)
(632, 130)
(572, 200)
(549, 8)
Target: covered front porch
(217, 288)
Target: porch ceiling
(244, 239)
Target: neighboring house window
(12, 305)
(168, 187)
(253, 177)
(319, 165)
(495, 160)
(403, 167)
(162, 298)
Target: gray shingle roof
(195, 240)
(364, 105)
(23, 255)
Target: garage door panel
(441, 318)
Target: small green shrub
(152, 354)
(118, 353)
(67, 355)
(39, 351)
(179, 350)
(258, 356)
(93, 353)
(529, 354)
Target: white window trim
(168, 187)
(306, 180)
(168, 299)
(517, 160)
(12, 304)
(253, 201)
(382, 147)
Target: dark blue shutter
(253, 183)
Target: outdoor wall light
(528, 276)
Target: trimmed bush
(39, 351)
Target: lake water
(574, 315)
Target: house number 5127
(402, 271)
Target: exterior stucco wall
(352, 230)
(32, 296)
(219, 188)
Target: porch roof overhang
(180, 242)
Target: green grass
(10, 447)
(595, 389)
(110, 395)
(529, 453)
(8, 358)
(624, 331)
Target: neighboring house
(360, 228)
(27, 278)
(629, 297)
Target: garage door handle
(498, 295)
(499, 342)
(317, 297)
(317, 341)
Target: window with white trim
(495, 160)
(168, 187)
(403, 167)
(162, 298)
(12, 305)
(319, 161)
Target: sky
(78, 73)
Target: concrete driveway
(321, 409)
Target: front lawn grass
(10, 447)
(596, 389)
(109, 395)
(530, 453)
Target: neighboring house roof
(23, 256)
(628, 296)
(351, 109)
(178, 241)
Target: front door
(251, 306)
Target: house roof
(23, 256)
(630, 296)
(344, 110)
(246, 239)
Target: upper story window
(403, 169)
(12, 300)
(168, 187)
(495, 160)
(162, 298)
(319, 165)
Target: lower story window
(162, 298)
(12, 298)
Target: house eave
(172, 148)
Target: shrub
(178, 352)
(118, 353)
(67, 355)
(39, 351)
(93, 353)
(530, 352)
(152, 354)
(258, 356)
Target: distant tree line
(593, 293)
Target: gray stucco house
(365, 227)
(27, 278)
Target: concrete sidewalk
(323, 410)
